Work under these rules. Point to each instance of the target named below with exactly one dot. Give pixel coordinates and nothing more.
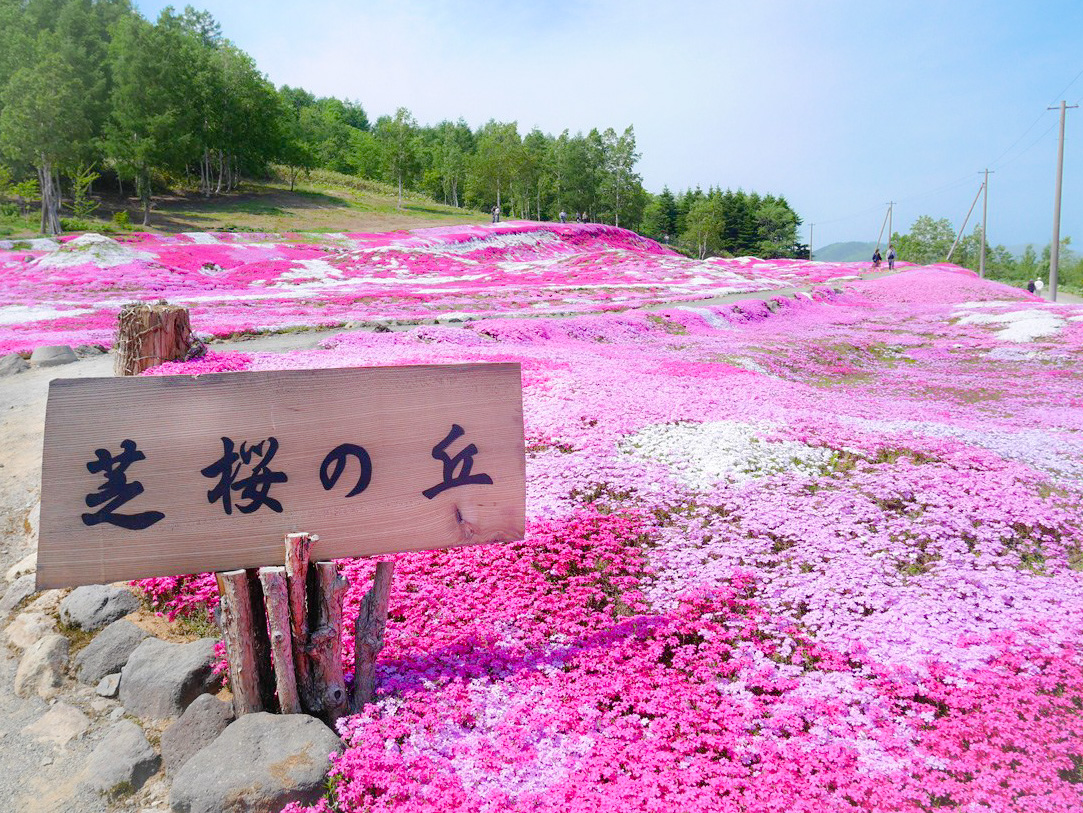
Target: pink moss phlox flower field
(69, 292)
(815, 553)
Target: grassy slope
(324, 202)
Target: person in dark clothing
(876, 258)
(891, 258)
(1030, 286)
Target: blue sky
(840, 106)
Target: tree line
(91, 90)
(929, 241)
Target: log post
(261, 643)
(325, 644)
(369, 636)
(297, 577)
(236, 620)
(147, 335)
(276, 595)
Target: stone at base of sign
(109, 651)
(41, 669)
(61, 724)
(261, 762)
(201, 723)
(18, 591)
(160, 679)
(122, 762)
(93, 606)
(108, 686)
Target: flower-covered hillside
(814, 553)
(71, 292)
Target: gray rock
(28, 628)
(59, 725)
(262, 762)
(197, 728)
(12, 363)
(161, 679)
(84, 350)
(48, 602)
(41, 669)
(122, 762)
(109, 651)
(52, 356)
(28, 564)
(31, 525)
(108, 686)
(93, 606)
(22, 588)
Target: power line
(965, 179)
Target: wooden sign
(165, 475)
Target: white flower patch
(20, 314)
(94, 249)
(1046, 448)
(1020, 326)
(313, 272)
(703, 454)
(35, 243)
(201, 238)
(532, 238)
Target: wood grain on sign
(397, 415)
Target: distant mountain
(845, 252)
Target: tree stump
(148, 335)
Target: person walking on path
(563, 216)
(1030, 286)
(891, 257)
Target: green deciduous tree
(145, 132)
(619, 157)
(704, 225)
(927, 242)
(398, 140)
(495, 163)
(44, 123)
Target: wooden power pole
(1054, 248)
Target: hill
(844, 252)
(323, 202)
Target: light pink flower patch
(818, 553)
(250, 282)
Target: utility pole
(811, 226)
(1054, 249)
(883, 226)
(966, 220)
(984, 211)
(890, 212)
